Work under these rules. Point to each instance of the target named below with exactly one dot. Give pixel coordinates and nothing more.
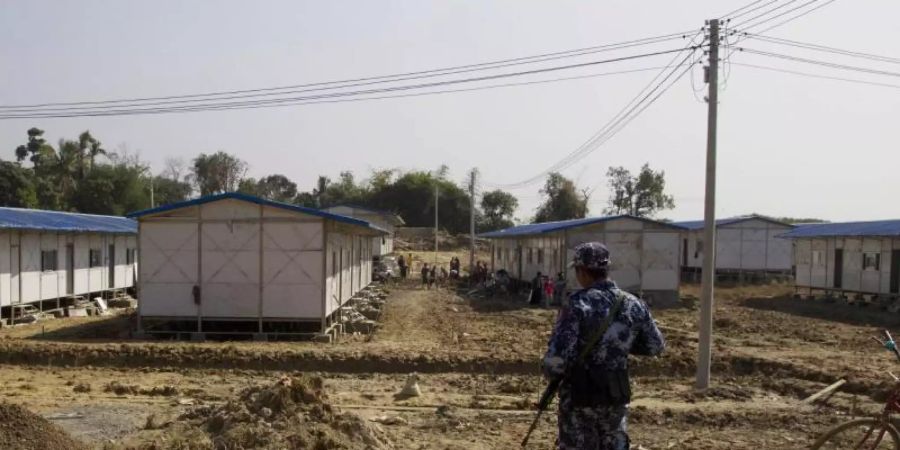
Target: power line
(238, 105)
(616, 124)
(791, 19)
(449, 91)
(279, 90)
(766, 13)
(625, 110)
(812, 75)
(746, 12)
(821, 48)
(798, 16)
(820, 63)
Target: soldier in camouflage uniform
(594, 395)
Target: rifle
(553, 386)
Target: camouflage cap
(590, 255)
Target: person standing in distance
(594, 394)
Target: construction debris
(290, 413)
(824, 392)
(21, 429)
(363, 310)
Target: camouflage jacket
(633, 331)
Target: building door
(684, 253)
(838, 267)
(519, 261)
(895, 272)
(341, 277)
(112, 266)
(14, 258)
(70, 269)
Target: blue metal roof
(888, 228)
(699, 224)
(381, 212)
(40, 220)
(548, 227)
(258, 201)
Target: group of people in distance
(545, 291)
(431, 276)
(481, 273)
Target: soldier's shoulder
(634, 304)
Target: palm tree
(84, 141)
(95, 150)
(66, 166)
(319, 191)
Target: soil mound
(21, 429)
(290, 413)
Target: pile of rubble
(21, 429)
(290, 413)
(363, 310)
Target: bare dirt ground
(477, 362)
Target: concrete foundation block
(198, 337)
(323, 338)
(260, 337)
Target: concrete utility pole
(709, 232)
(435, 223)
(152, 201)
(472, 223)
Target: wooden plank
(833, 387)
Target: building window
(96, 258)
(499, 254)
(872, 261)
(530, 256)
(130, 255)
(818, 259)
(540, 256)
(48, 260)
(699, 248)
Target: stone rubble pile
(363, 310)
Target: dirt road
(477, 360)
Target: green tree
(499, 207)
(273, 187)
(318, 193)
(67, 168)
(114, 189)
(642, 195)
(218, 172)
(84, 144)
(797, 220)
(45, 168)
(35, 147)
(95, 150)
(562, 201)
(278, 188)
(345, 190)
(166, 190)
(17, 186)
(411, 195)
(306, 199)
(249, 186)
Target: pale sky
(788, 145)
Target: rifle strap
(604, 326)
